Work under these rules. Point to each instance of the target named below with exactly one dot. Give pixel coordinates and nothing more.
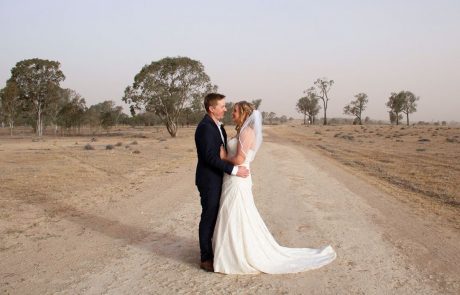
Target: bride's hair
(245, 109)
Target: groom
(210, 135)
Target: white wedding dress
(243, 244)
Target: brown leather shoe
(207, 265)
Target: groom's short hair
(211, 100)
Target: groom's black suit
(209, 174)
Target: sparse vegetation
(356, 107)
(406, 158)
(321, 91)
(308, 106)
(402, 102)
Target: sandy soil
(125, 221)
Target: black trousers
(210, 198)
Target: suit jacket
(210, 168)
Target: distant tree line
(33, 97)
(269, 118)
(169, 91)
(400, 103)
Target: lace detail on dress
(232, 148)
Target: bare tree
(356, 107)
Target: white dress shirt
(219, 124)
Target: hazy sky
(272, 50)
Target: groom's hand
(242, 172)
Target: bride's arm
(245, 142)
(239, 158)
(236, 160)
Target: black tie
(223, 135)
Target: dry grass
(38, 173)
(420, 159)
(42, 179)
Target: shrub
(119, 143)
(88, 147)
(109, 147)
(139, 136)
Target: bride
(242, 243)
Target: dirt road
(147, 242)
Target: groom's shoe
(207, 265)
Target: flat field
(118, 213)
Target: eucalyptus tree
(167, 86)
(396, 103)
(256, 103)
(270, 117)
(308, 106)
(104, 114)
(11, 104)
(321, 89)
(36, 79)
(409, 105)
(357, 106)
(228, 115)
(264, 117)
(71, 114)
(59, 98)
(394, 118)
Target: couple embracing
(233, 237)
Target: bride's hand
(223, 153)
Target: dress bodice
(232, 148)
